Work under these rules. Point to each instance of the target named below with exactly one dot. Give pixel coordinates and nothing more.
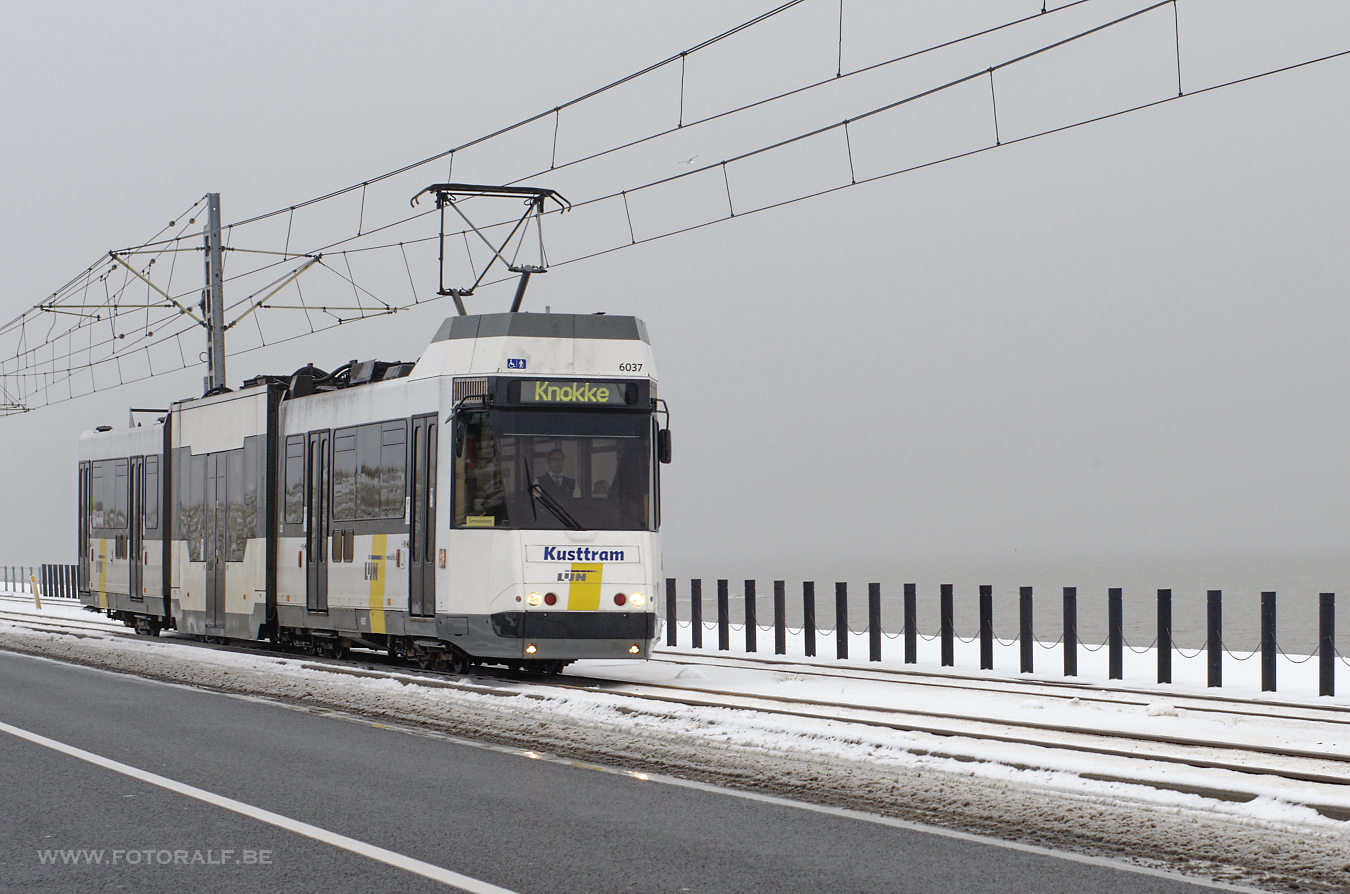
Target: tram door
(136, 523)
(317, 508)
(86, 486)
(215, 520)
(422, 525)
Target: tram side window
(480, 491)
(369, 471)
(393, 468)
(152, 493)
(251, 475)
(96, 495)
(195, 517)
(236, 533)
(295, 480)
(344, 474)
(110, 495)
(121, 496)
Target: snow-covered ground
(1262, 829)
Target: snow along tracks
(1222, 747)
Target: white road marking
(362, 848)
(662, 779)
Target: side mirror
(663, 445)
(459, 436)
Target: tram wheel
(459, 662)
(425, 658)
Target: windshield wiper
(552, 505)
(534, 509)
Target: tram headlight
(637, 600)
(534, 599)
(531, 649)
(634, 649)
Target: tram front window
(555, 470)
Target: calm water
(1297, 581)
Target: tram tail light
(550, 598)
(620, 599)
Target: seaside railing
(1115, 644)
(55, 581)
(60, 581)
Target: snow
(722, 742)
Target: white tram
(497, 501)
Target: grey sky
(1123, 341)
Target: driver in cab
(553, 481)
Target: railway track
(1230, 754)
(1066, 690)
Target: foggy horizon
(1118, 346)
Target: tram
(495, 502)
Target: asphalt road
(491, 816)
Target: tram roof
(548, 325)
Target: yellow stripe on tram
(583, 593)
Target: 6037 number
(630, 367)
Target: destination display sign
(574, 392)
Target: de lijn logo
(515, 363)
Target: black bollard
(696, 612)
(1326, 644)
(1025, 634)
(841, 619)
(1070, 631)
(1268, 642)
(779, 617)
(947, 625)
(986, 627)
(1115, 633)
(1215, 639)
(751, 618)
(809, 617)
(911, 624)
(723, 616)
(672, 616)
(1164, 636)
(874, 622)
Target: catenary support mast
(214, 297)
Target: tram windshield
(555, 470)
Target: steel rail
(1062, 689)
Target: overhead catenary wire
(290, 210)
(535, 117)
(115, 342)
